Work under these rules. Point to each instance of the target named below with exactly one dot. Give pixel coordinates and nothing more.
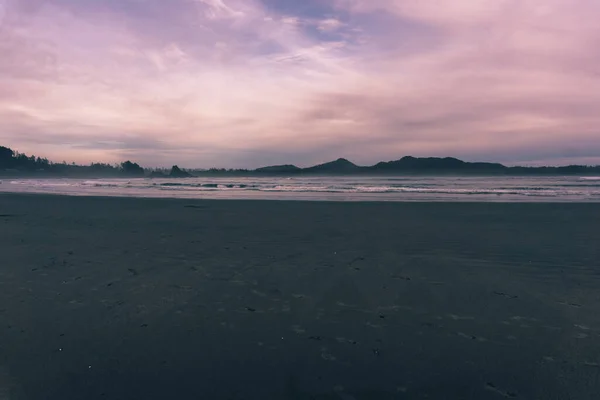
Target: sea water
(504, 189)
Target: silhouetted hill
(339, 166)
(430, 164)
(13, 163)
(278, 169)
(565, 170)
(176, 172)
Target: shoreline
(332, 201)
(322, 197)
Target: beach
(132, 298)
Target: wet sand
(108, 298)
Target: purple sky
(247, 83)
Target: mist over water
(506, 189)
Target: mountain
(278, 169)
(435, 164)
(339, 166)
(13, 163)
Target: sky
(248, 83)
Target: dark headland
(16, 164)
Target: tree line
(12, 161)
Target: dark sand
(175, 299)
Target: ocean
(503, 189)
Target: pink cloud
(213, 80)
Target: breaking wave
(394, 188)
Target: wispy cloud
(249, 82)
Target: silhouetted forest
(15, 163)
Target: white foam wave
(413, 188)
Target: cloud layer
(245, 83)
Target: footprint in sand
(508, 296)
(570, 304)
(583, 327)
(492, 388)
(343, 340)
(471, 337)
(298, 329)
(325, 355)
(591, 364)
(460, 317)
(374, 326)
